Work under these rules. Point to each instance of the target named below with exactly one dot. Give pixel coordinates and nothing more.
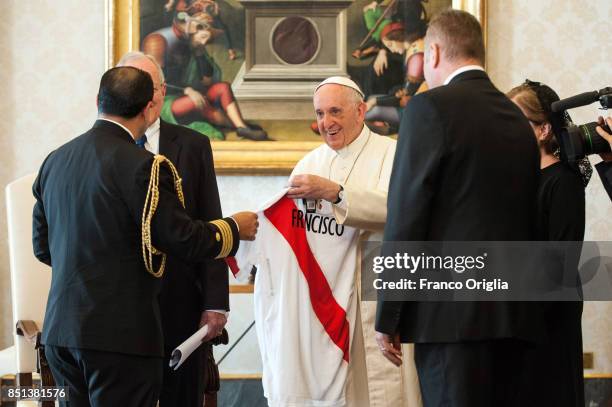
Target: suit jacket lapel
(167, 144)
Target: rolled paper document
(182, 352)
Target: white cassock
(363, 168)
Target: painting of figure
(197, 96)
(201, 46)
(243, 72)
(395, 36)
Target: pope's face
(339, 116)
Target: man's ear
(361, 110)
(163, 90)
(147, 112)
(150, 105)
(434, 55)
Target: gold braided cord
(227, 238)
(150, 206)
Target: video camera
(576, 142)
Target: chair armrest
(28, 329)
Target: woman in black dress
(560, 218)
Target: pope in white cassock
(351, 171)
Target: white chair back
(30, 279)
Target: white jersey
(305, 306)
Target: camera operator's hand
(607, 136)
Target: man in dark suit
(102, 328)
(466, 169)
(199, 294)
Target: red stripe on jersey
(233, 265)
(325, 307)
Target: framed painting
(242, 72)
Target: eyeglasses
(158, 89)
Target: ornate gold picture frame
(274, 89)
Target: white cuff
(219, 311)
(235, 223)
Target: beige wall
(52, 57)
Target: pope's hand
(247, 224)
(312, 187)
(390, 347)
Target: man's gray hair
(137, 55)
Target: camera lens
(571, 144)
(576, 142)
(593, 142)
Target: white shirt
(462, 70)
(152, 134)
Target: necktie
(141, 141)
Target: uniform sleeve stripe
(227, 239)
